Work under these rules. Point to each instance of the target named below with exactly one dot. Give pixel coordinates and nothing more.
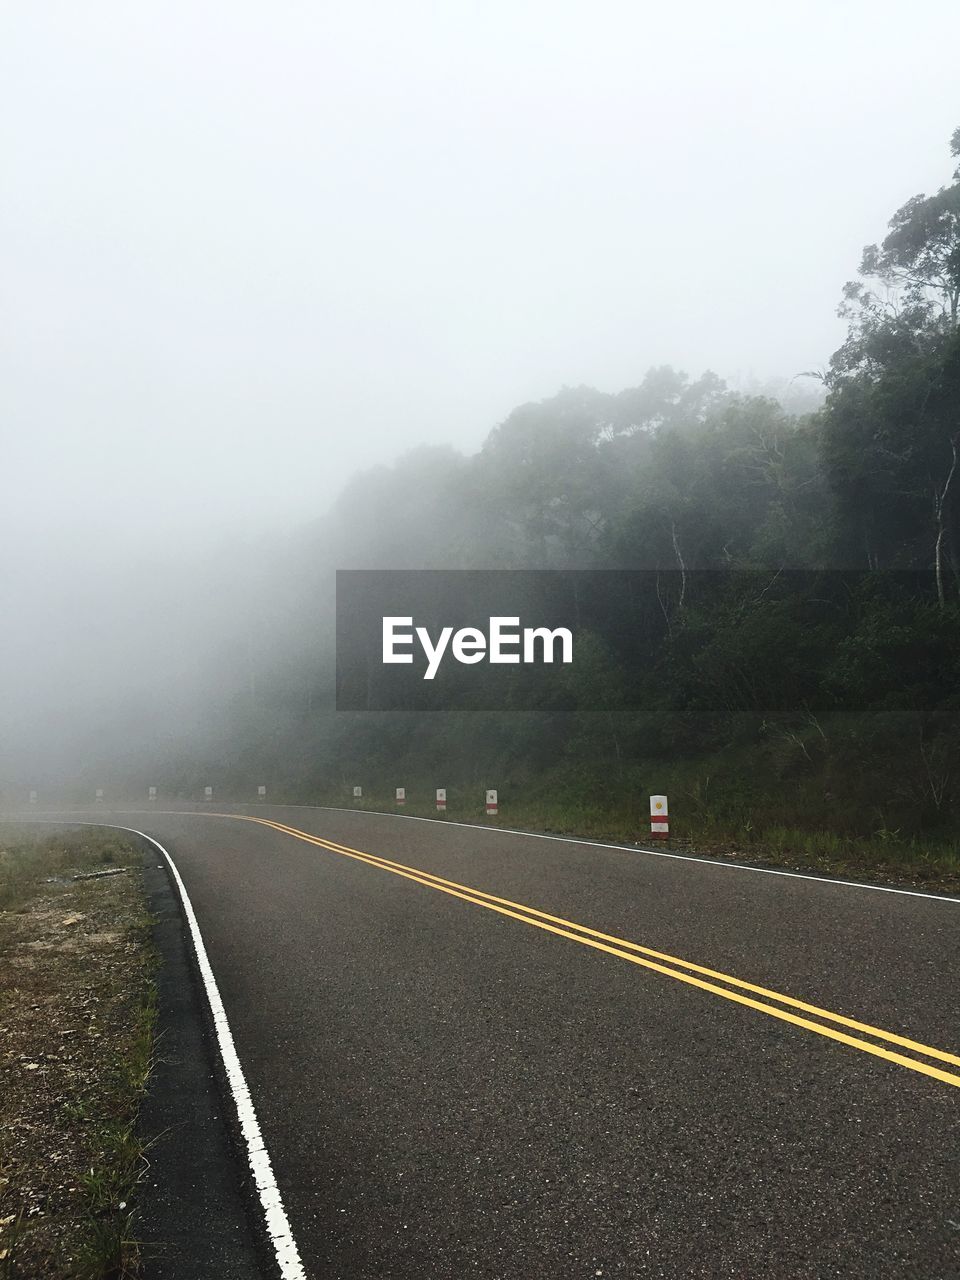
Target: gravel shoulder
(76, 1040)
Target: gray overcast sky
(249, 248)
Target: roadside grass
(28, 860)
(696, 826)
(77, 1024)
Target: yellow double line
(693, 975)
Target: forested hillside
(775, 708)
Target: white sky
(246, 248)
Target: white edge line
(621, 848)
(836, 881)
(275, 1215)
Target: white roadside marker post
(208, 793)
(358, 793)
(401, 796)
(99, 795)
(151, 793)
(493, 807)
(659, 821)
(441, 799)
(261, 792)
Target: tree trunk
(683, 567)
(940, 502)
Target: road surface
(451, 1085)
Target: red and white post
(493, 807)
(659, 820)
(441, 799)
(401, 796)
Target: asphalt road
(451, 1089)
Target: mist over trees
(683, 474)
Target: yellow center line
(636, 954)
(865, 1027)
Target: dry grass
(76, 1031)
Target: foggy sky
(249, 248)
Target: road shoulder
(197, 1214)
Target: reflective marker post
(659, 821)
(151, 793)
(208, 793)
(358, 793)
(441, 799)
(492, 806)
(401, 795)
(261, 792)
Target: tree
(892, 423)
(920, 258)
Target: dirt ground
(75, 1048)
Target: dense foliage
(831, 705)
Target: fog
(248, 250)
